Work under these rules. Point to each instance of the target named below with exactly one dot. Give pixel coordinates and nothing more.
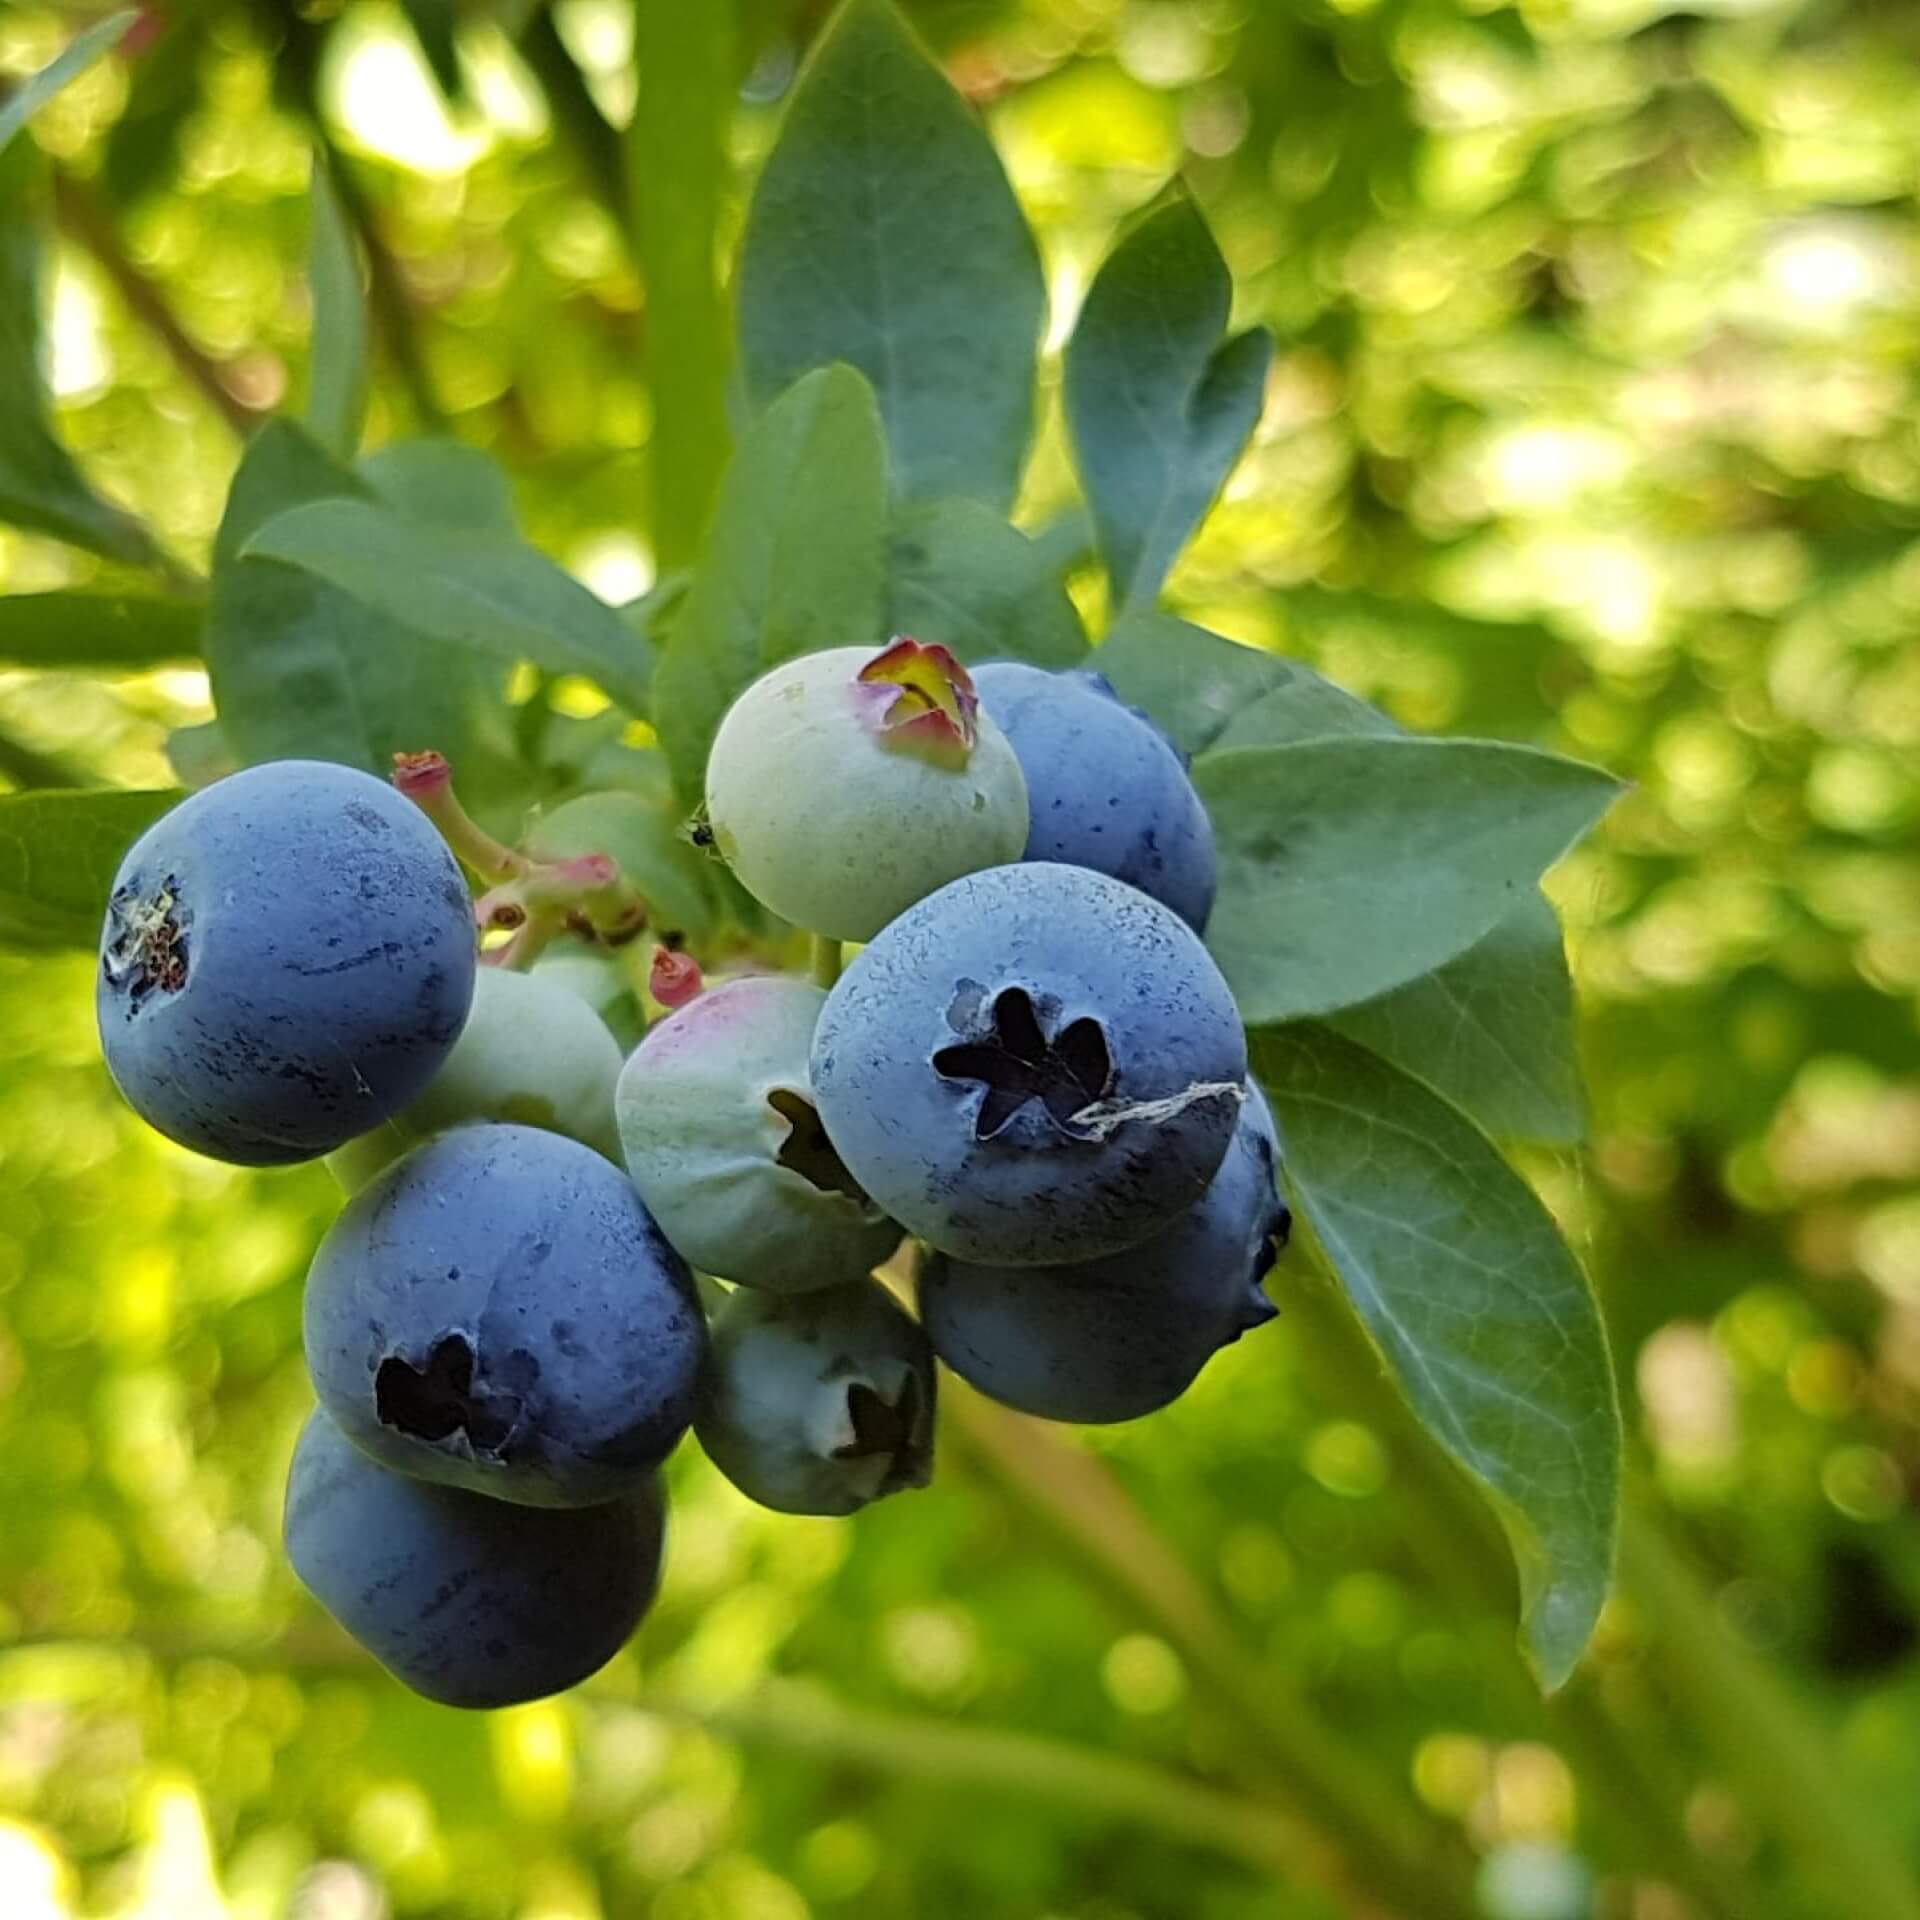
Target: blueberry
(287, 961)
(818, 1402)
(595, 976)
(726, 1149)
(1115, 1338)
(470, 1601)
(1035, 1065)
(844, 786)
(497, 1311)
(531, 1053)
(1105, 788)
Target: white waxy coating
(838, 829)
(818, 1404)
(703, 1139)
(531, 1054)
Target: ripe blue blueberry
(1115, 1338)
(818, 1402)
(287, 960)
(725, 1146)
(1105, 788)
(844, 786)
(470, 1601)
(531, 1053)
(1035, 1065)
(497, 1311)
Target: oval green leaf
(1351, 866)
(883, 233)
(1465, 1285)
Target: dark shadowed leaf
(1160, 408)
(1351, 866)
(795, 561)
(56, 632)
(1466, 1286)
(884, 233)
(58, 855)
(960, 575)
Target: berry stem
(827, 959)
(427, 780)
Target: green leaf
(1160, 410)
(1351, 866)
(301, 668)
(1466, 1286)
(884, 233)
(1491, 1031)
(680, 169)
(962, 576)
(468, 589)
(41, 488)
(795, 561)
(442, 483)
(1203, 691)
(72, 632)
(80, 53)
(337, 404)
(58, 855)
(645, 834)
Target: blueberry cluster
(1031, 1074)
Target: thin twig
(89, 223)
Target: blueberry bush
(915, 943)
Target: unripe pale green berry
(818, 1403)
(595, 974)
(844, 786)
(721, 1138)
(531, 1053)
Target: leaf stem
(827, 958)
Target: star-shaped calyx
(1019, 1062)
(895, 1431)
(438, 1400)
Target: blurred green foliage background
(1593, 425)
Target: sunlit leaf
(1351, 866)
(962, 577)
(794, 562)
(1160, 407)
(884, 233)
(465, 588)
(300, 667)
(58, 855)
(337, 403)
(442, 483)
(1492, 1030)
(1465, 1284)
